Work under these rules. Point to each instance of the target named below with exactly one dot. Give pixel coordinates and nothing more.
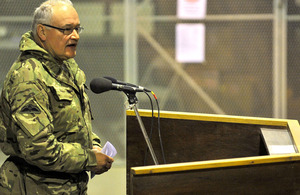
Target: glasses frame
(63, 30)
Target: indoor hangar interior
(250, 65)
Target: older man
(45, 116)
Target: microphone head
(100, 85)
(113, 80)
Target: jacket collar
(66, 71)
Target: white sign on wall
(190, 43)
(191, 9)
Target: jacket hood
(27, 43)
(29, 46)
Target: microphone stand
(132, 100)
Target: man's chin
(70, 55)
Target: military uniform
(45, 125)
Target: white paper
(191, 9)
(282, 149)
(190, 43)
(109, 150)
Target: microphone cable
(158, 127)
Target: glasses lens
(68, 31)
(79, 30)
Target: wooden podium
(213, 154)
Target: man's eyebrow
(71, 25)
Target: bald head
(59, 34)
(43, 14)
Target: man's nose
(75, 34)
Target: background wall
(237, 75)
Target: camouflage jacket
(45, 115)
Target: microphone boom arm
(132, 100)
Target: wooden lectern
(213, 154)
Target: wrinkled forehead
(64, 15)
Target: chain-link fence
(236, 78)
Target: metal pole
(145, 135)
(130, 42)
(280, 59)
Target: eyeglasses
(66, 31)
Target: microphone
(100, 85)
(113, 80)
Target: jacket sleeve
(36, 142)
(96, 140)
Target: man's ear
(41, 32)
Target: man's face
(58, 44)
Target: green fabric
(45, 114)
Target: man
(45, 117)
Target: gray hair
(43, 14)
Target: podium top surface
(215, 117)
(291, 125)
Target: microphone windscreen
(100, 85)
(113, 80)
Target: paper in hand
(109, 150)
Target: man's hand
(97, 148)
(104, 162)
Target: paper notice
(191, 9)
(190, 43)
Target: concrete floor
(112, 182)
